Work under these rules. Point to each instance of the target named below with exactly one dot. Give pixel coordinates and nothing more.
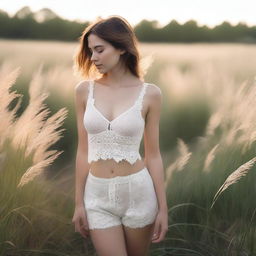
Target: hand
(80, 221)
(161, 226)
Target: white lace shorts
(129, 200)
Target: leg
(139, 219)
(109, 241)
(138, 240)
(105, 227)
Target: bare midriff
(109, 168)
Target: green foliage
(46, 25)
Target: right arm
(82, 165)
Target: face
(103, 53)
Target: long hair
(116, 31)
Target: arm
(82, 165)
(153, 157)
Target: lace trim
(131, 158)
(110, 145)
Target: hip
(132, 194)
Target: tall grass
(208, 216)
(207, 139)
(31, 209)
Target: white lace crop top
(117, 139)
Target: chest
(114, 103)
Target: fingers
(160, 234)
(84, 226)
(84, 232)
(81, 226)
(156, 230)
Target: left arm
(153, 159)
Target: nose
(93, 57)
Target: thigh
(143, 208)
(109, 241)
(99, 210)
(138, 240)
(140, 218)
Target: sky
(205, 12)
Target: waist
(109, 168)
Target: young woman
(120, 197)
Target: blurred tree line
(47, 25)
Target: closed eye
(98, 52)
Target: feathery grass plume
(185, 154)
(209, 158)
(38, 168)
(37, 132)
(28, 125)
(180, 162)
(234, 177)
(32, 130)
(231, 107)
(7, 79)
(48, 135)
(213, 123)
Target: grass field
(207, 140)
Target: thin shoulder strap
(142, 93)
(90, 95)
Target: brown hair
(119, 33)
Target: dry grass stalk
(213, 123)
(48, 135)
(209, 158)
(180, 162)
(28, 125)
(185, 154)
(38, 168)
(7, 79)
(234, 177)
(32, 131)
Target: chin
(102, 71)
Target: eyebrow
(96, 46)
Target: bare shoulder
(82, 87)
(82, 90)
(154, 92)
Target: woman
(120, 198)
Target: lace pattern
(109, 144)
(113, 146)
(130, 200)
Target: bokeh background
(202, 54)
